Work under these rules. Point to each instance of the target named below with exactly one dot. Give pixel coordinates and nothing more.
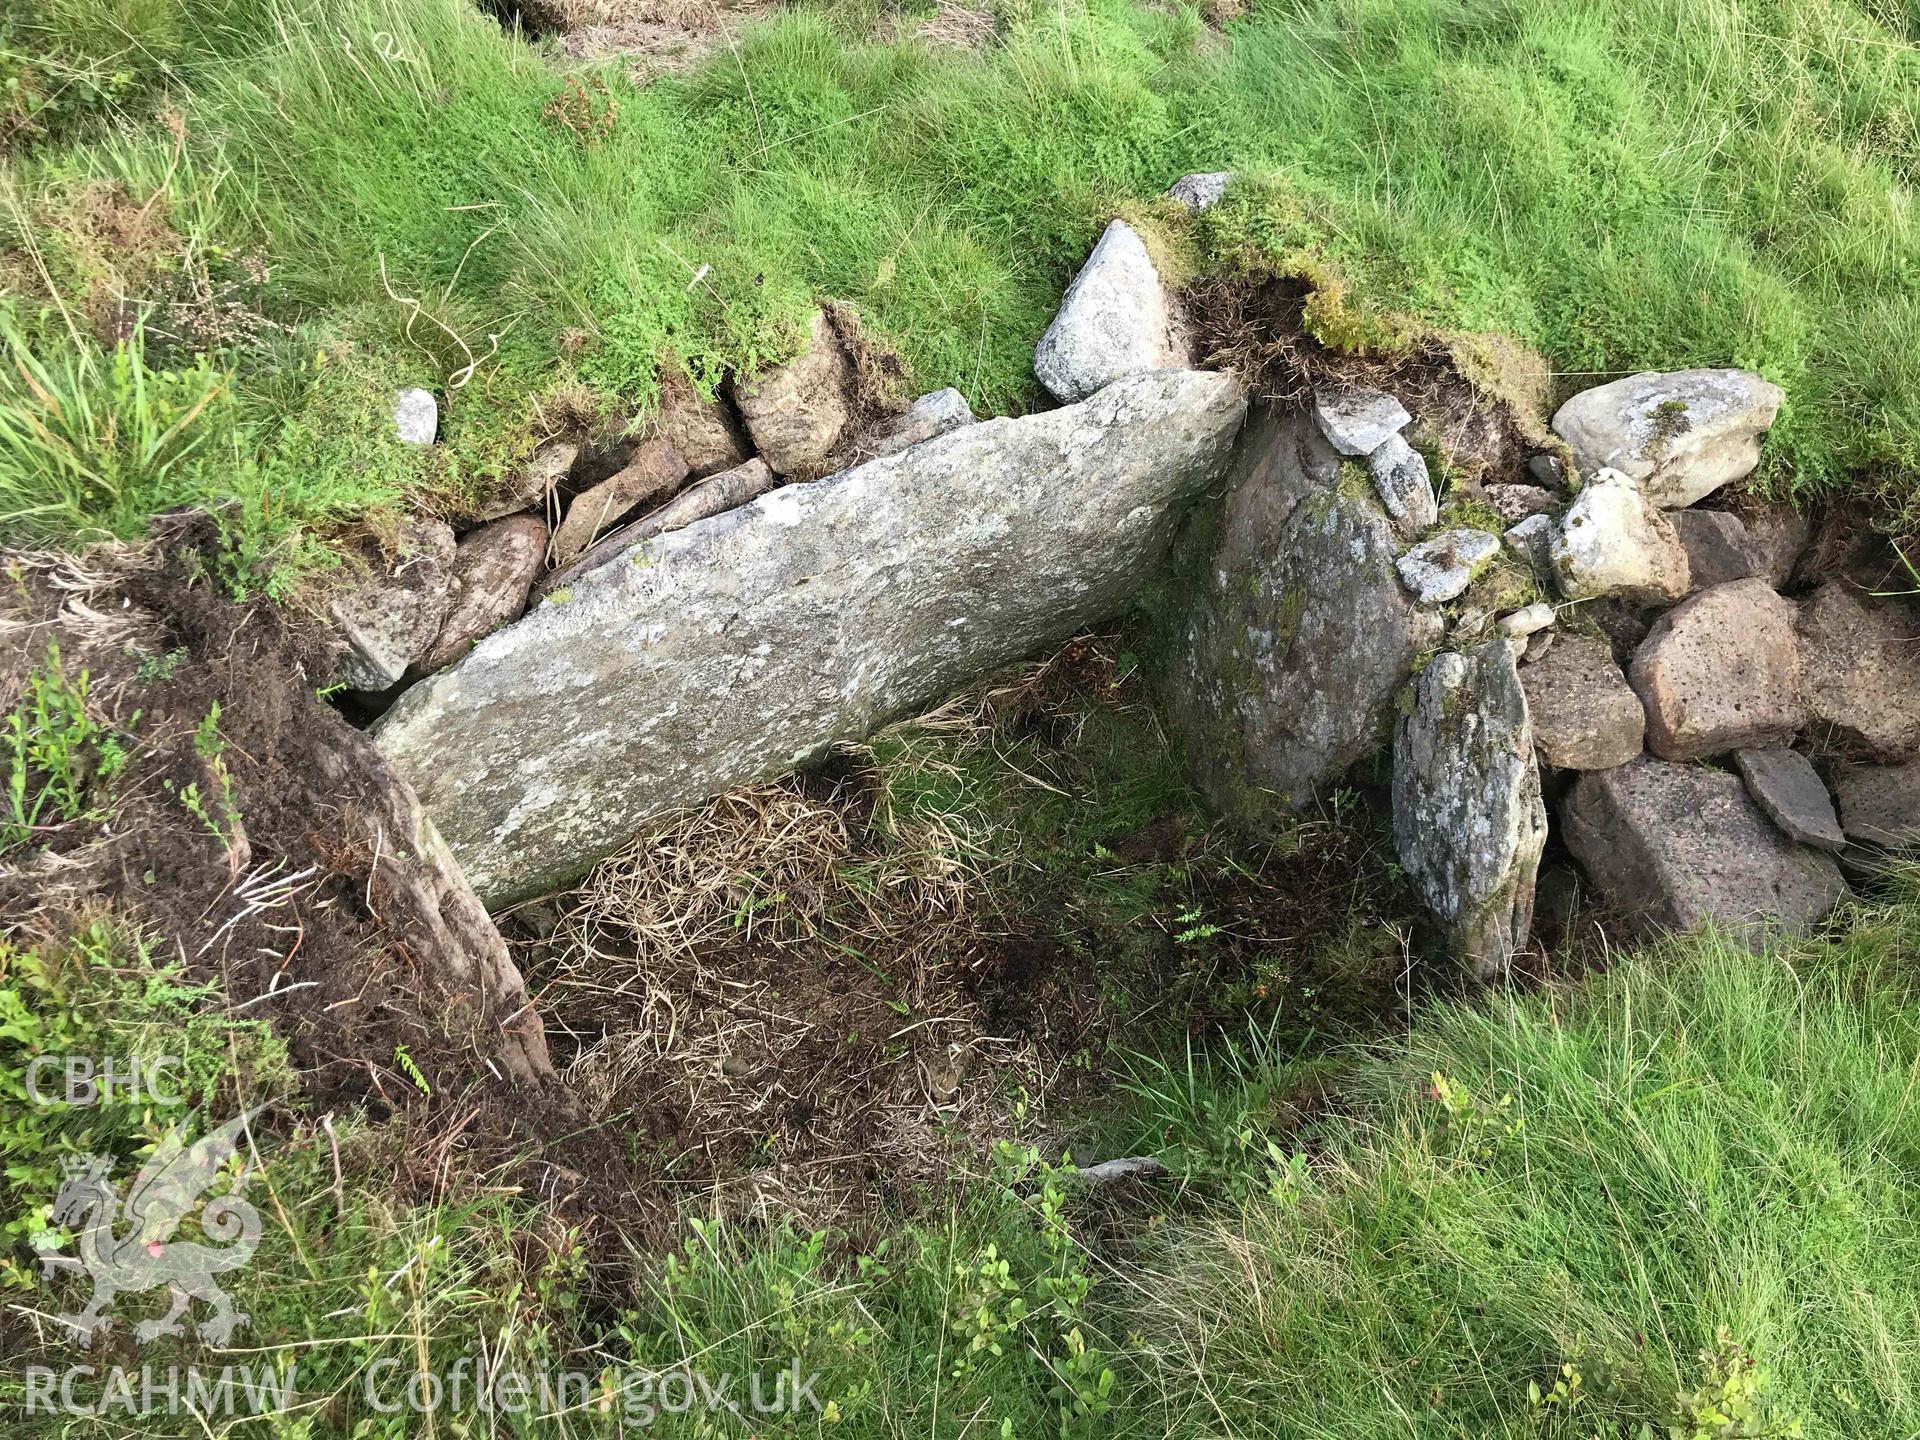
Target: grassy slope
(1629, 184)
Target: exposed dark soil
(300, 898)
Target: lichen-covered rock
(390, 615)
(1527, 620)
(1401, 481)
(751, 641)
(1613, 542)
(493, 569)
(1441, 569)
(530, 485)
(1721, 672)
(1718, 548)
(1468, 821)
(1294, 637)
(1784, 784)
(797, 412)
(1678, 846)
(1358, 421)
(1201, 191)
(1879, 804)
(1860, 668)
(655, 471)
(416, 417)
(1113, 321)
(1585, 715)
(1680, 435)
(927, 417)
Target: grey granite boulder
(1405, 488)
(1293, 636)
(1113, 321)
(1860, 666)
(1680, 435)
(1785, 785)
(749, 642)
(1441, 569)
(1613, 542)
(1721, 672)
(390, 615)
(1468, 822)
(1679, 846)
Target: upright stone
(1468, 821)
(1112, 323)
(1294, 636)
(1612, 542)
(749, 642)
(1680, 846)
(1680, 436)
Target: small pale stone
(930, 415)
(1532, 541)
(1784, 784)
(1358, 421)
(1400, 479)
(1442, 568)
(1201, 191)
(416, 416)
(1524, 621)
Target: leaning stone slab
(493, 570)
(749, 642)
(1720, 672)
(1112, 323)
(1680, 436)
(1294, 637)
(1784, 784)
(1405, 488)
(1680, 846)
(1468, 821)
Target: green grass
(1700, 1141)
(1629, 184)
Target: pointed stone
(1784, 784)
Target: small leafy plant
(57, 753)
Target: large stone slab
(1679, 846)
(747, 643)
(1680, 435)
(1468, 821)
(1720, 672)
(1293, 636)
